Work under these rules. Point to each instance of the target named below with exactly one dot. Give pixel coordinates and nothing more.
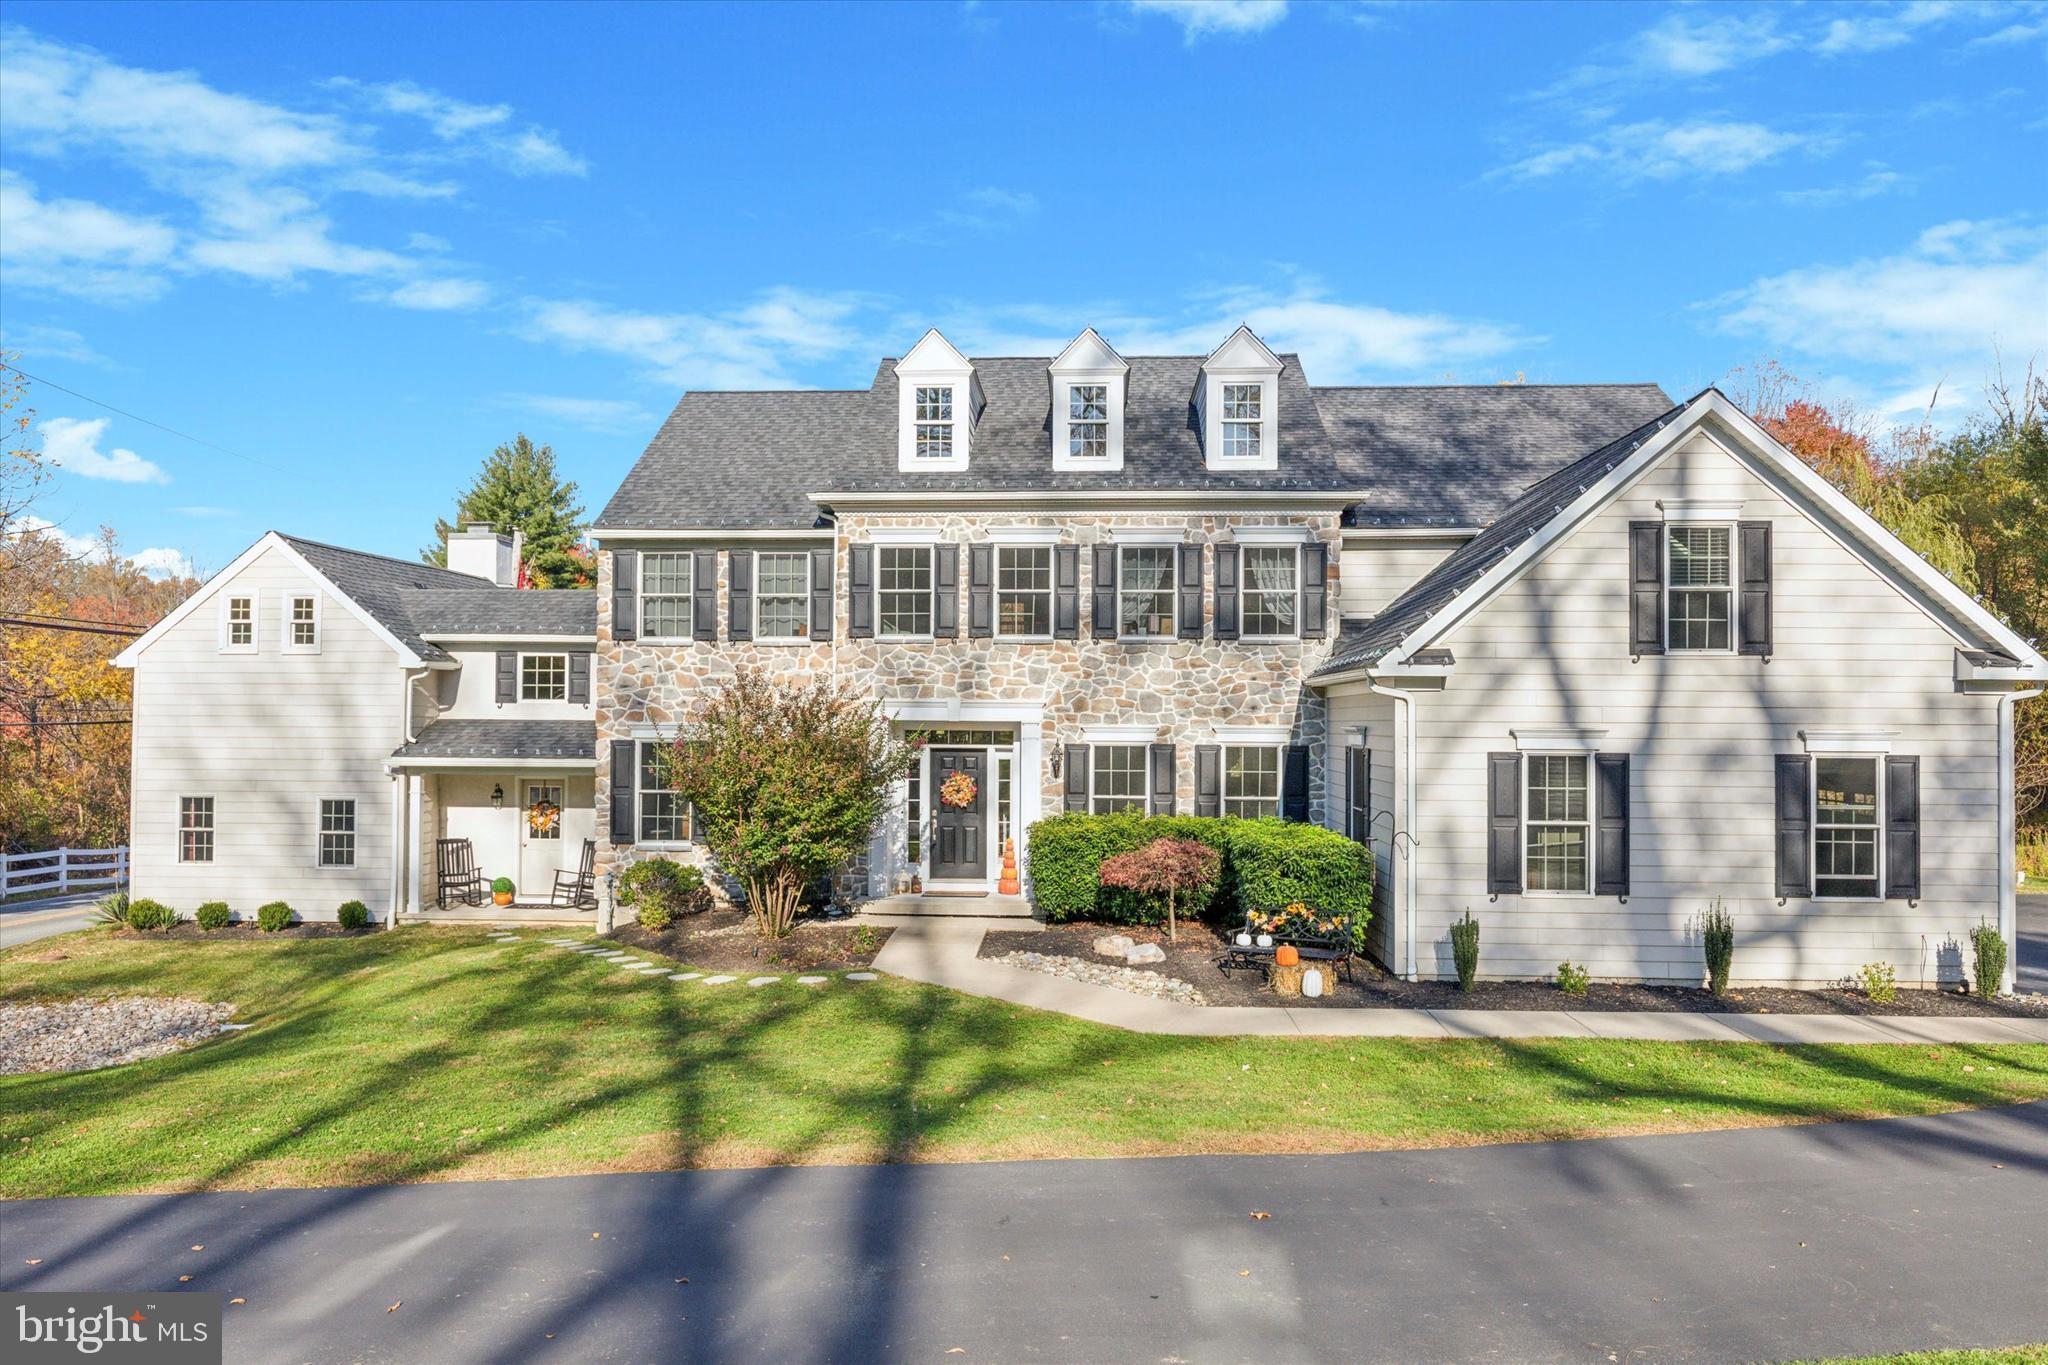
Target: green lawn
(435, 1054)
(2011, 1355)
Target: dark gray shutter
(821, 594)
(1755, 618)
(1226, 592)
(1164, 780)
(1610, 852)
(1209, 779)
(981, 591)
(1066, 592)
(1358, 793)
(1190, 592)
(622, 791)
(945, 592)
(704, 595)
(1902, 828)
(625, 595)
(1795, 825)
(1315, 590)
(508, 675)
(739, 594)
(579, 679)
(1646, 587)
(1077, 777)
(1504, 824)
(1294, 783)
(1105, 592)
(860, 591)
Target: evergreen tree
(517, 490)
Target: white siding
(1852, 652)
(1357, 712)
(1376, 571)
(267, 735)
(472, 693)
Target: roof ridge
(388, 559)
(1599, 384)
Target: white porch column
(1027, 791)
(417, 799)
(398, 785)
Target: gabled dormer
(1238, 400)
(936, 404)
(1090, 382)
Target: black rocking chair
(455, 874)
(578, 889)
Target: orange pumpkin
(1286, 955)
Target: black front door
(959, 848)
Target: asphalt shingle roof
(509, 739)
(499, 611)
(377, 584)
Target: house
(314, 718)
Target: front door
(540, 850)
(959, 824)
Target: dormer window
(1088, 421)
(934, 422)
(1238, 396)
(1089, 382)
(1244, 414)
(937, 402)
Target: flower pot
(1265, 940)
(501, 897)
(1286, 955)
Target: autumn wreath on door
(543, 816)
(958, 790)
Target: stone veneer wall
(1185, 688)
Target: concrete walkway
(943, 952)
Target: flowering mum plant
(1296, 920)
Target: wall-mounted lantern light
(497, 797)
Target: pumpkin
(1286, 955)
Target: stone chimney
(481, 552)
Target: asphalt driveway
(1833, 1239)
(2030, 960)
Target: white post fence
(60, 871)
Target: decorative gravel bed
(1137, 982)
(83, 1035)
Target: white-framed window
(1699, 589)
(195, 829)
(665, 587)
(1116, 778)
(302, 623)
(933, 412)
(1272, 590)
(903, 592)
(1244, 415)
(337, 833)
(1088, 421)
(543, 677)
(238, 623)
(1251, 780)
(1024, 591)
(1144, 591)
(663, 816)
(1847, 834)
(1557, 838)
(782, 595)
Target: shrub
(1168, 867)
(213, 915)
(1880, 982)
(659, 889)
(502, 886)
(1717, 940)
(1272, 862)
(111, 908)
(1990, 964)
(273, 917)
(145, 913)
(352, 915)
(1465, 949)
(1572, 978)
(1067, 853)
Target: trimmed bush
(1717, 940)
(1067, 852)
(145, 913)
(657, 890)
(352, 915)
(1270, 863)
(273, 917)
(1990, 946)
(1465, 949)
(213, 915)
(1880, 982)
(1572, 978)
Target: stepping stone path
(764, 981)
(686, 976)
(863, 976)
(718, 980)
(811, 980)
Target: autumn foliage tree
(1165, 867)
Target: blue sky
(359, 245)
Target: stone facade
(1181, 689)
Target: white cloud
(438, 296)
(160, 562)
(990, 208)
(426, 241)
(73, 445)
(157, 562)
(615, 415)
(480, 129)
(72, 246)
(1200, 18)
(1877, 180)
(751, 347)
(32, 527)
(1657, 150)
(1874, 27)
(54, 343)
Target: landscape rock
(1113, 945)
(1144, 952)
(79, 1035)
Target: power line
(133, 417)
(92, 628)
(79, 620)
(46, 724)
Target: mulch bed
(1194, 960)
(247, 931)
(725, 940)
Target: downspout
(2008, 840)
(406, 678)
(1404, 731)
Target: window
(1117, 774)
(1251, 780)
(1845, 827)
(302, 624)
(1002, 802)
(195, 829)
(1088, 421)
(1272, 589)
(1024, 590)
(1243, 416)
(665, 585)
(934, 412)
(535, 794)
(1558, 841)
(664, 816)
(238, 625)
(1699, 597)
(903, 591)
(337, 834)
(782, 595)
(914, 846)
(1144, 590)
(544, 677)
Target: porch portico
(994, 752)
